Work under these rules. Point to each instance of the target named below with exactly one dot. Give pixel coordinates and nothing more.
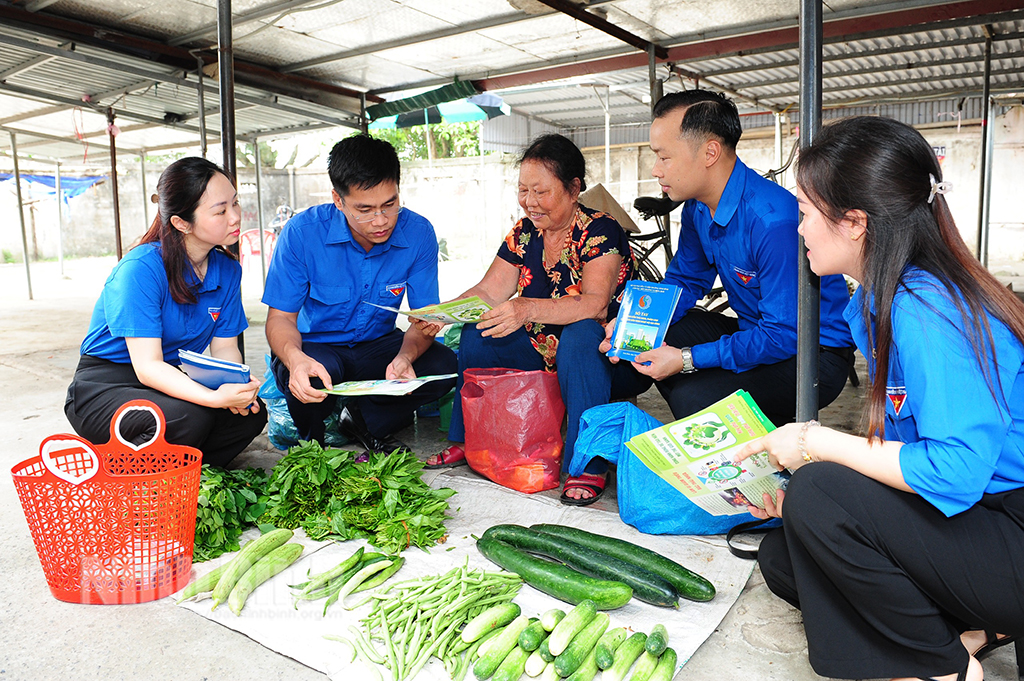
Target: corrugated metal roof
(876, 52)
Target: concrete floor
(42, 638)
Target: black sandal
(992, 642)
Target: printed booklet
(396, 386)
(643, 318)
(212, 372)
(695, 454)
(464, 310)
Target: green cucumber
(666, 668)
(606, 647)
(532, 636)
(587, 670)
(245, 559)
(382, 576)
(625, 656)
(545, 651)
(337, 571)
(555, 579)
(657, 640)
(513, 666)
(569, 660)
(582, 644)
(552, 617)
(688, 584)
(499, 649)
(265, 568)
(534, 664)
(644, 668)
(492, 618)
(646, 586)
(204, 584)
(573, 623)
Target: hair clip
(938, 187)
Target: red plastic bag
(514, 427)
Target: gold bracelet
(801, 440)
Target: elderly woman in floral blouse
(557, 279)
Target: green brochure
(396, 386)
(464, 310)
(695, 455)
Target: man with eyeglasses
(329, 262)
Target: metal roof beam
(910, 81)
(605, 26)
(129, 115)
(64, 140)
(24, 66)
(138, 47)
(91, 60)
(241, 19)
(461, 29)
(172, 78)
(846, 56)
(869, 70)
(919, 19)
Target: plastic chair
(249, 245)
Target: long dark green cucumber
(646, 585)
(687, 583)
(555, 579)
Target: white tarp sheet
(270, 618)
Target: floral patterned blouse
(593, 234)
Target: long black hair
(887, 169)
(180, 188)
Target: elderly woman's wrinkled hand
(505, 318)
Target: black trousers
(384, 415)
(885, 581)
(101, 387)
(773, 386)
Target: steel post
(145, 192)
(201, 96)
(226, 81)
(984, 173)
(113, 183)
(809, 286)
(21, 212)
(60, 218)
(259, 211)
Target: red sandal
(450, 457)
(591, 483)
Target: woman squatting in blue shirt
(178, 289)
(903, 549)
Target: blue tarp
(69, 186)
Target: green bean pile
(420, 618)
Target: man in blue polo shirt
(741, 228)
(329, 262)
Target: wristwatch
(688, 367)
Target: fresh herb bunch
(229, 502)
(331, 497)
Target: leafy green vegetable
(229, 502)
(329, 495)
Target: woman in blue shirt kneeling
(903, 550)
(178, 289)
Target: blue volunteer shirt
(319, 271)
(961, 441)
(751, 243)
(136, 302)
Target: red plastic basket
(112, 523)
